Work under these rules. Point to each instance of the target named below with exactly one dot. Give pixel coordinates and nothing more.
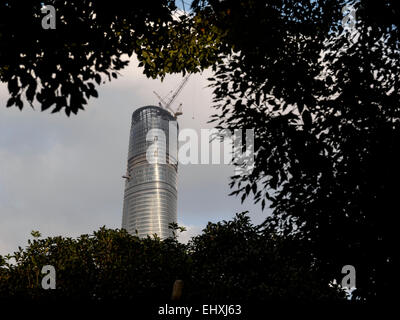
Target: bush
(230, 260)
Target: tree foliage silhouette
(324, 103)
(229, 260)
(60, 68)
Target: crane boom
(184, 81)
(161, 99)
(167, 104)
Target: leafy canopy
(324, 104)
(60, 68)
(229, 260)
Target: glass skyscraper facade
(150, 200)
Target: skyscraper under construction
(150, 200)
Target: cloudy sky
(62, 176)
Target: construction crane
(167, 104)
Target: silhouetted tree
(237, 261)
(60, 68)
(110, 264)
(230, 260)
(324, 103)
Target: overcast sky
(62, 176)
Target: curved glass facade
(150, 200)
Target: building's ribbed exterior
(150, 200)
